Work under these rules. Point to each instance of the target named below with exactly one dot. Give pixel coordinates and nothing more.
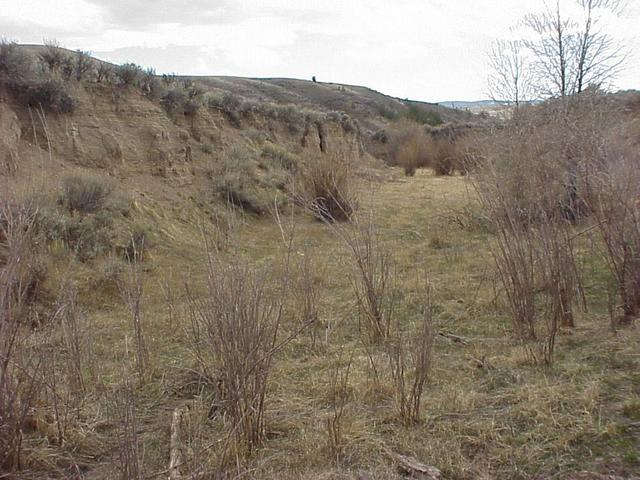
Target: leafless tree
(599, 58)
(553, 50)
(511, 75)
(573, 52)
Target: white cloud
(424, 49)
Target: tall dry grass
(19, 371)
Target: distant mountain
(474, 105)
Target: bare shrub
(131, 290)
(327, 187)
(443, 156)
(18, 370)
(233, 338)
(307, 290)
(373, 278)
(85, 194)
(130, 461)
(406, 144)
(617, 209)
(338, 399)
(74, 338)
(523, 184)
(410, 356)
(408, 156)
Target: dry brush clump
(19, 385)
(234, 335)
(326, 186)
(524, 182)
(84, 193)
(616, 207)
(410, 353)
(412, 146)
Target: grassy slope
(507, 420)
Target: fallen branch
(412, 467)
(176, 455)
(453, 338)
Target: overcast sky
(432, 50)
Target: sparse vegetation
(299, 348)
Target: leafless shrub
(405, 144)
(327, 187)
(130, 453)
(307, 297)
(373, 278)
(131, 289)
(74, 338)
(408, 156)
(524, 186)
(234, 338)
(338, 399)
(444, 156)
(410, 356)
(18, 384)
(617, 210)
(411, 146)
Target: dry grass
(487, 414)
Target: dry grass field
(486, 412)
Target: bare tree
(553, 50)
(572, 53)
(599, 58)
(511, 77)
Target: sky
(431, 50)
